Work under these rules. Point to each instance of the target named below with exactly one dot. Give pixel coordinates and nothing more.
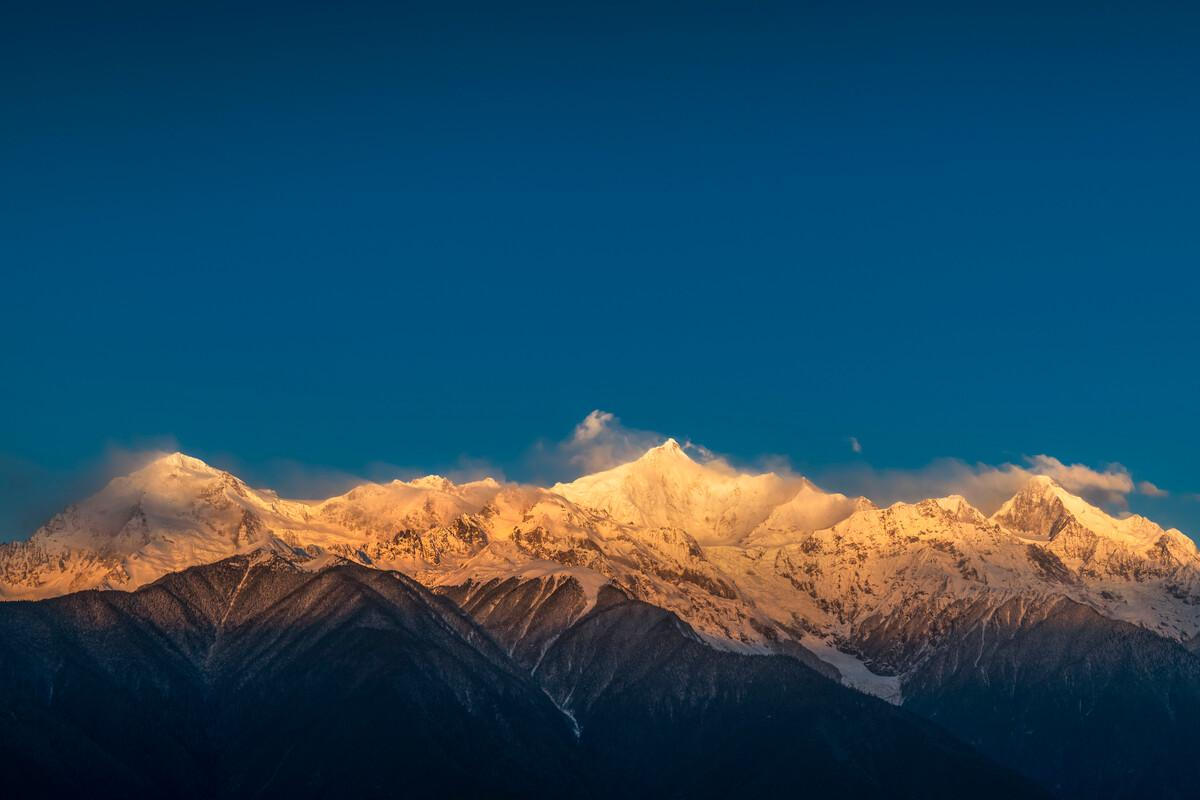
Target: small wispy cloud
(855, 445)
(1150, 490)
(699, 451)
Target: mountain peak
(1038, 509)
(1046, 490)
(960, 509)
(711, 501)
(1042, 508)
(436, 482)
(1039, 486)
(174, 462)
(670, 449)
(1041, 482)
(167, 472)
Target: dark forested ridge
(253, 678)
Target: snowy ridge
(666, 488)
(754, 563)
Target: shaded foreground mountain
(1087, 706)
(1056, 638)
(253, 677)
(660, 709)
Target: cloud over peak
(987, 486)
(601, 441)
(598, 442)
(1108, 487)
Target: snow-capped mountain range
(754, 563)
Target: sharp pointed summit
(710, 500)
(174, 463)
(1038, 509)
(669, 447)
(1043, 508)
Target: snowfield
(755, 563)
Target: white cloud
(594, 425)
(1109, 487)
(598, 442)
(987, 486)
(601, 441)
(1150, 490)
(30, 494)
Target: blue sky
(308, 239)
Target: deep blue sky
(350, 233)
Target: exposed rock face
(524, 616)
